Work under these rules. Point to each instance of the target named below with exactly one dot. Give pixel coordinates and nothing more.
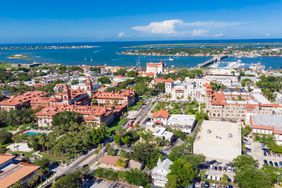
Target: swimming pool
(32, 133)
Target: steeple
(89, 87)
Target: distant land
(116, 53)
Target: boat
(170, 59)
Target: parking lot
(100, 183)
(215, 170)
(261, 153)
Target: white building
(185, 123)
(219, 140)
(190, 89)
(227, 80)
(155, 68)
(162, 133)
(160, 172)
(83, 86)
(267, 124)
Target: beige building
(189, 89)
(219, 140)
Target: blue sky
(114, 20)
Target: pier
(211, 61)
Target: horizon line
(153, 40)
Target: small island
(18, 56)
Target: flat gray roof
(268, 120)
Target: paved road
(89, 159)
(144, 111)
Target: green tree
(66, 117)
(132, 73)
(250, 177)
(146, 153)
(5, 137)
(104, 80)
(136, 177)
(243, 161)
(183, 171)
(73, 180)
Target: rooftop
(161, 114)
(181, 119)
(16, 173)
(25, 97)
(267, 120)
(110, 160)
(4, 158)
(220, 133)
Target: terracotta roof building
(91, 114)
(11, 173)
(16, 102)
(155, 68)
(235, 106)
(124, 97)
(160, 117)
(111, 162)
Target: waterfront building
(218, 140)
(155, 68)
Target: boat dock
(213, 60)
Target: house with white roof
(185, 123)
(160, 172)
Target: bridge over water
(211, 61)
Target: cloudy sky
(122, 20)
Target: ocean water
(109, 53)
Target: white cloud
(121, 35)
(180, 28)
(212, 24)
(163, 27)
(267, 34)
(199, 33)
(218, 35)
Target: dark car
(99, 181)
(276, 164)
(206, 184)
(265, 162)
(211, 162)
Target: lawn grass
(117, 124)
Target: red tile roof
(110, 160)
(23, 98)
(114, 95)
(16, 173)
(4, 158)
(160, 114)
